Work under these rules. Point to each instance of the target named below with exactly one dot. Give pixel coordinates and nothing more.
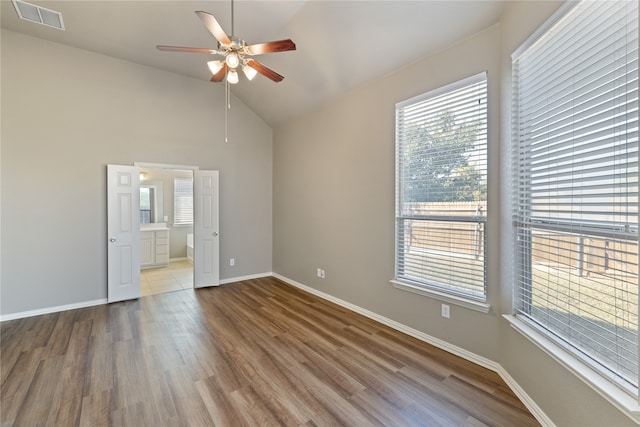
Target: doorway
(125, 248)
(166, 230)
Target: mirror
(151, 202)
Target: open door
(206, 218)
(123, 228)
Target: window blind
(183, 201)
(146, 201)
(441, 194)
(576, 185)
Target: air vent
(39, 15)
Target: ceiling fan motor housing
(237, 45)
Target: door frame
(193, 169)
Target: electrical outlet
(445, 311)
(322, 274)
(232, 262)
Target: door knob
(113, 239)
(214, 234)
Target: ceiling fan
(235, 51)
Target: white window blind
(576, 186)
(182, 201)
(441, 188)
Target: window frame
(476, 222)
(623, 398)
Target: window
(441, 190)
(146, 202)
(182, 201)
(576, 186)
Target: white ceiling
(341, 45)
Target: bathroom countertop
(158, 226)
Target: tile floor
(177, 276)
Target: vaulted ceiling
(341, 45)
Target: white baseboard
(54, 309)
(58, 308)
(524, 397)
(249, 277)
(458, 351)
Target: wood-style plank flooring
(252, 353)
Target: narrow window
(576, 186)
(441, 189)
(183, 201)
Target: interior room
(309, 273)
(166, 230)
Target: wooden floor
(252, 353)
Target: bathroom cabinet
(154, 248)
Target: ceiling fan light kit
(249, 72)
(232, 76)
(215, 66)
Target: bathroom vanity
(154, 245)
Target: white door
(123, 231)
(206, 244)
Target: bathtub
(190, 247)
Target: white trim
(442, 296)
(54, 309)
(535, 410)
(609, 391)
(542, 29)
(184, 258)
(249, 277)
(101, 301)
(524, 397)
(476, 78)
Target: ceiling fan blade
(269, 47)
(264, 70)
(219, 76)
(188, 49)
(213, 27)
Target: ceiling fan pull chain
(226, 110)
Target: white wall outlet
(445, 311)
(319, 272)
(232, 262)
(322, 274)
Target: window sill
(442, 296)
(190, 224)
(616, 396)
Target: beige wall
(66, 114)
(334, 197)
(334, 209)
